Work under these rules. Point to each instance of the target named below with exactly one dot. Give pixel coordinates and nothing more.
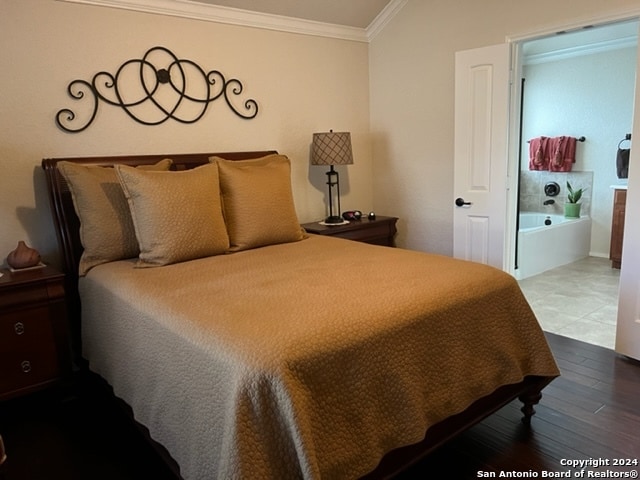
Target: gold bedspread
(304, 360)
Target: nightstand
(34, 348)
(380, 231)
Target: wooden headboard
(67, 224)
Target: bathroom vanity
(617, 224)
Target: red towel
(538, 156)
(562, 152)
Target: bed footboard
(528, 391)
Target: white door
(481, 154)
(628, 324)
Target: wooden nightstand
(34, 348)
(380, 231)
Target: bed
(273, 353)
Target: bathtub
(542, 247)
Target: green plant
(574, 195)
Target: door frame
(513, 164)
(513, 139)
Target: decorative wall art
(153, 89)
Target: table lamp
(332, 148)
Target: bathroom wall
(591, 96)
(532, 196)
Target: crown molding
(234, 16)
(384, 17)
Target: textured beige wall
(412, 98)
(303, 84)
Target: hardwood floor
(591, 412)
(83, 435)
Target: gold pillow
(106, 228)
(257, 201)
(177, 215)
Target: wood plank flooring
(591, 412)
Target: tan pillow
(258, 202)
(106, 229)
(177, 215)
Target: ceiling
(352, 13)
(361, 14)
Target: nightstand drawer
(25, 294)
(369, 232)
(28, 370)
(28, 353)
(27, 329)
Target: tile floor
(579, 300)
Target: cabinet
(380, 231)
(617, 227)
(34, 348)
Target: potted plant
(572, 207)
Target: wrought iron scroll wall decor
(164, 92)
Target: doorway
(580, 84)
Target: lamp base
(333, 219)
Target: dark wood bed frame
(67, 227)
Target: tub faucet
(551, 201)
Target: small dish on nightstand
(26, 269)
